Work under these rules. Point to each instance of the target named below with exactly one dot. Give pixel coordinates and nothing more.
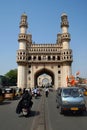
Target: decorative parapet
(44, 50)
(46, 45)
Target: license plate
(74, 108)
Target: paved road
(44, 116)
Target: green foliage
(12, 77)
(3, 81)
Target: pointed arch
(43, 71)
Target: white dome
(63, 14)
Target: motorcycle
(25, 112)
(24, 107)
(46, 93)
(35, 95)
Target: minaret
(65, 35)
(22, 53)
(66, 51)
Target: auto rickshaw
(9, 93)
(1, 95)
(85, 91)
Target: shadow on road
(31, 114)
(78, 114)
(5, 103)
(34, 113)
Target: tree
(12, 77)
(3, 81)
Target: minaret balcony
(21, 59)
(67, 58)
(64, 24)
(65, 37)
(66, 55)
(23, 24)
(22, 37)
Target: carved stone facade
(35, 59)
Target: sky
(44, 17)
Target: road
(44, 116)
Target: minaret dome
(64, 20)
(23, 22)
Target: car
(70, 99)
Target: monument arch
(34, 59)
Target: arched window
(29, 58)
(39, 57)
(53, 57)
(34, 58)
(58, 57)
(59, 72)
(49, 58)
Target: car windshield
(71, 92)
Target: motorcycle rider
(35, 92)
(46, 91)
(26, 97)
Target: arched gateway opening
(42, 72)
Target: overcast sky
(44, 17)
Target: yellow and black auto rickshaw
(9, 93)
(85, 91)
(1, 95)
